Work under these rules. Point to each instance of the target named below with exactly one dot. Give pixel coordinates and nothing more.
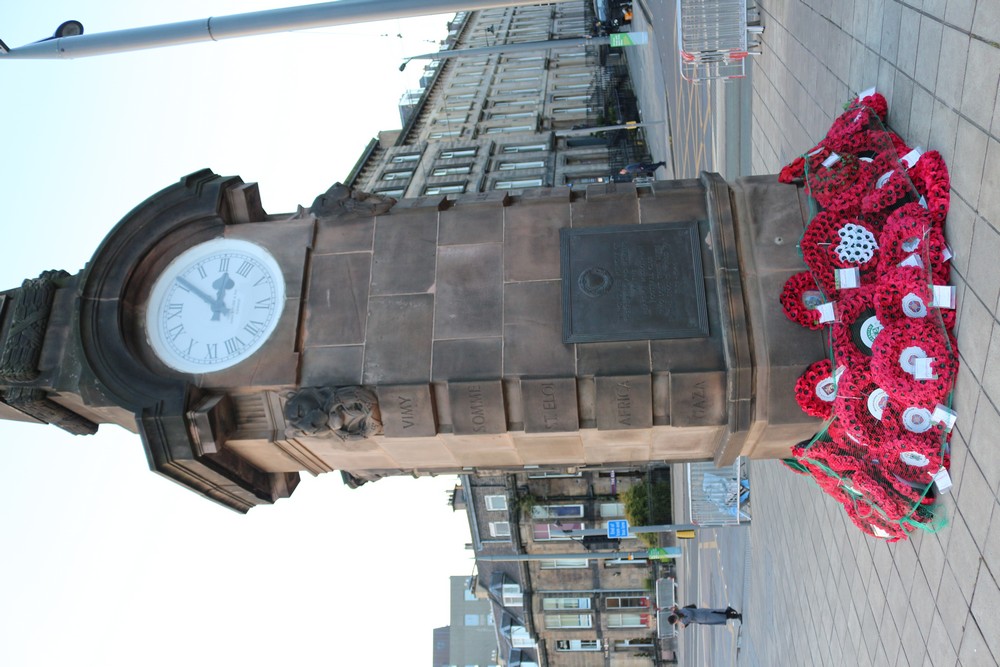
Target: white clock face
(214, 306)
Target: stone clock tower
(556, 329)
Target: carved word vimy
(555, 329)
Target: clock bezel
(161, 286)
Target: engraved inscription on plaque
(632, 282)
(477, 407)
(407, 411)
(698, 399)
(624, 402)
(549, 405)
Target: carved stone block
(533, 331)
(405, 253)
(407, 410)
(624, 402)
(477, 407)
(698, 399)
(469, 291)
(398, 348)
(468, 359)
(549, 405)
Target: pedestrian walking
(641, 168)
(703, 616)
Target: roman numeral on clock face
(234, 345)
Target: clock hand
(186, 284)
(221, 284)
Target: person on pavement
(703, 616)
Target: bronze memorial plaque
(632, 282)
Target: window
(397, 175)
(513, 185)
(594, 157)
(558, 604)
(453, 118)
(515, 79)
(572, 86)
(458, 152)
(578, 645)
(511, 595)
(585, 179)
(512, 114)
(573, 75)
(627, 620)
(527, 148)
(514, 103)
(612, 510)
(473, 619)
(557, 511)
(532, 164)
(555, 621)
(448, 171)
(509, 128)
(563, 563)
(522, 68)
(638, 642)
(629, 602)
(550, 531)
(446, 133)
(565, 98)
(466, 84)
(571, 110)
(519, 91)
(519, 637)
(496, 503)
(406, 157)
(499, 529)
(397, 192)
(458, 106)
(460, 96)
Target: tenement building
(567, 601)
(510, 119)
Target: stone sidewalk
(822, 593)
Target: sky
(103, 562)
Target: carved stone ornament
(347, 413)
(29, 317)
(34, 402)
(342, 201)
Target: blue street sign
(618, 529)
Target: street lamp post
(248, 24)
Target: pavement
(817, 591)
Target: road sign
(662, 553)
(618, 529)
(628, 38)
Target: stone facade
(427, 337)
(508, 121)
(556, 609)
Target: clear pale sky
(103, 562)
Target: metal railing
(716, 495)
(712, 39)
